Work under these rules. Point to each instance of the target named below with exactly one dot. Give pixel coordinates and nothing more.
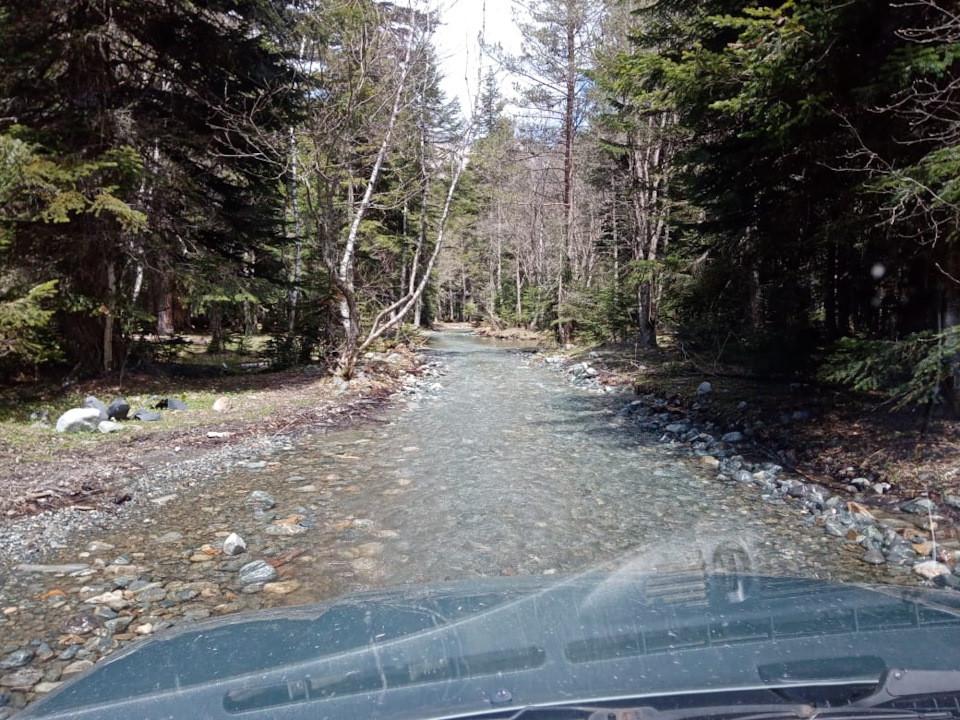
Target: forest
(774, 186)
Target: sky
(462, 21)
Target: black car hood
(496, 644)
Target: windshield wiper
(900, 695)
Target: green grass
(253, 395)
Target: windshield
(501, 358)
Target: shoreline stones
(896, 536)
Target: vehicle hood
(496, 644)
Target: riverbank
(55, 484)
(863, 477)
(821, 433)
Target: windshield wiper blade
(786, 711)
(903, 686)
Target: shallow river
(505, 470)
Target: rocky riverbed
(904, 534)
(482, 463)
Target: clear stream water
(507, 470)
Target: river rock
(222, 404)
(705, 388)
(78, 420)
(16, 659)
(109, 426)
(47, 686)
(710, 462)
(146, 416)
(118, 624)
(118, 409)
(78, 666)
(919, 506)
(733, 437)
(260, 498)
(285, 530)
(22, 679)
(931, 569)
(743, 476)
(92, 402)
(234, 545)
(113, 600)
(834, 528)
(281, 588)
(82, 624)
(874, 557)
(257, 572)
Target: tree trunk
(564, 328)
(297, 243)
(108, 320)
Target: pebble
(16, 659)
(109, 426)
(710, 462)
(257, 572)
(261, 499)
(931, 569)
(46, 686)
(281, 588)
(22, 679)
(78, 666)
(234, 545)
(285, 530)
(82, 624)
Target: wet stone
(22, 679)
(257, 572)
(78, 666)
(232, 566)
(234, 545)
(286, 530)
(69, 653)
(46, 686)
(919, 506)
(80, 624)
(16, 659)
(873, 556)
(118, 625)
(834, 528)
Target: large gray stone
(919, 506)
(78, 420)
(92, 402)
(109, 426)
(118, 409)
(146, 416)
